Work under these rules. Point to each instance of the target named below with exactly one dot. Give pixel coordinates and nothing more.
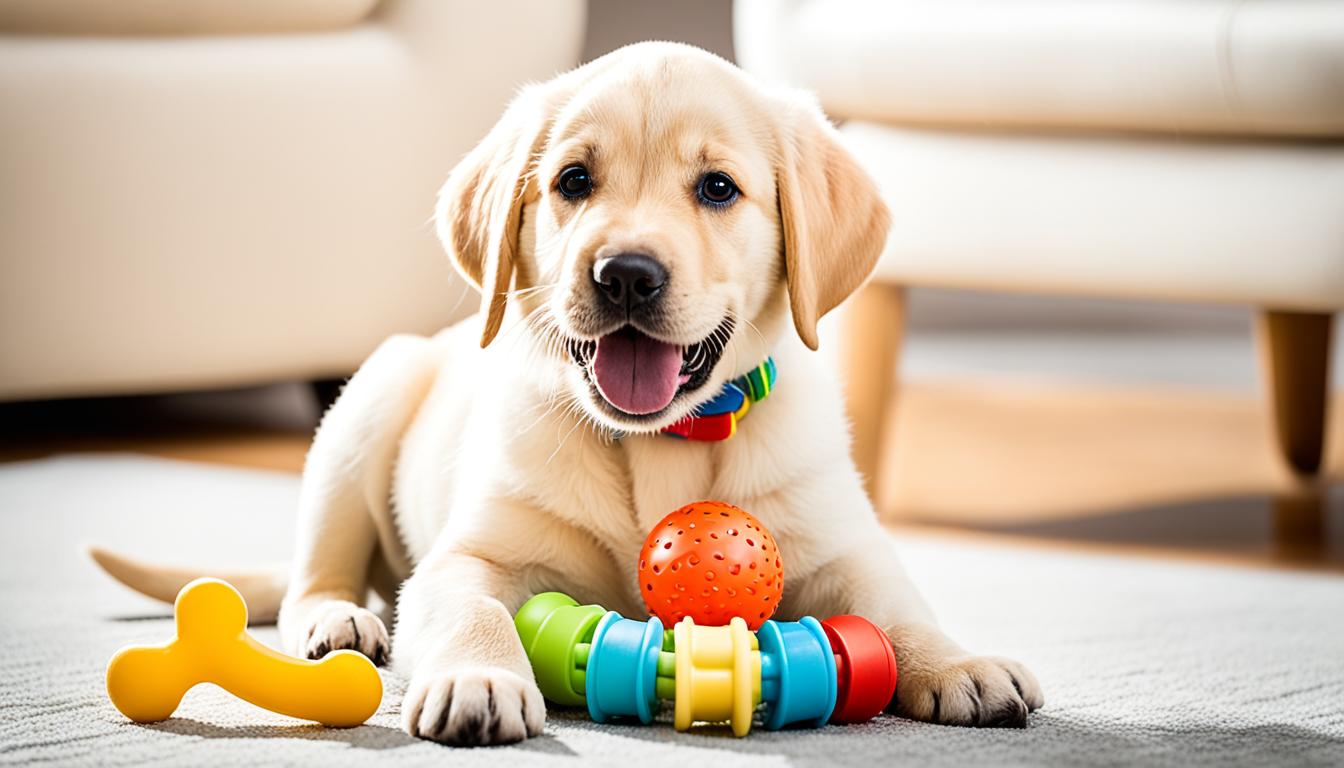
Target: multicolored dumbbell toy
(841, 670)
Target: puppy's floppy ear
(834, 221)
(481, 206)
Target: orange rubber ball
(711, 561)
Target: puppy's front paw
(337, 624)
(472, 707)
(983, 691)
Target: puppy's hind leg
(344, 503)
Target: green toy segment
(665, 685)
(558, 643)
(553, 639)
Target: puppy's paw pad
(338, 625)
(473, 706)
(982, 691)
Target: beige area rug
(1143, 661)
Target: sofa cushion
(178, 17)
(1266, 67)
(1250, 222)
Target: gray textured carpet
(1143, 662)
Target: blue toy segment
(798, 668)
(769, 685)
(729, 400)
(623, 668)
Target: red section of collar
(704, 428)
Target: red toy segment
(865, 666)
(711, 561)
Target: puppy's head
(656, 215)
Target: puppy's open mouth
(639, 375)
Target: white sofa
(1190, 150)
(202, 193)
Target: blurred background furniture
(1190, 151)
(214, 193)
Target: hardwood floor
(1157, 472)
(1169, 470)
(259, 428)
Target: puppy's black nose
(629, 279)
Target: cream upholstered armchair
(1190, 150)
(201, 193)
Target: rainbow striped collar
(717, 419)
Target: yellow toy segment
(746, 676)
(146, 683)
(717, 675)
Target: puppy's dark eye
(574, 182)
(716, 189)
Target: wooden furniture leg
(874, 324)
(1295, 350)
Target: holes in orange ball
(724, 590)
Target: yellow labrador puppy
(642, 230)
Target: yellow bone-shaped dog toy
(147, 682)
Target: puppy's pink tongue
(635, 373)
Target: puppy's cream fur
(478, 467)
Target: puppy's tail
(262, 588)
